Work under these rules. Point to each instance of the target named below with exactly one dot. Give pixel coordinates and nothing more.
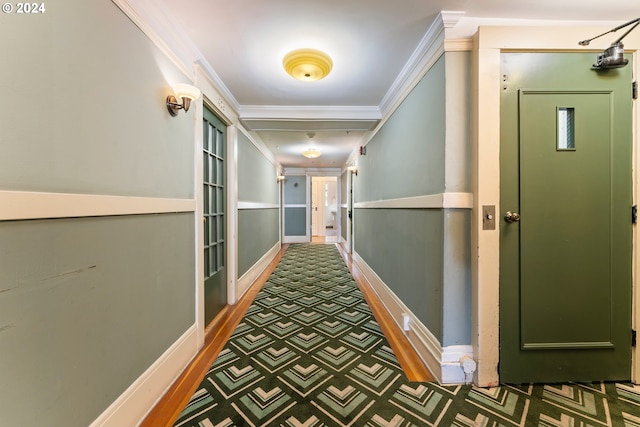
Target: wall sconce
(186, 93)
(353, 169)
(280, 178)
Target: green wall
(258, 229)
(422, 255)
(295, 223)
(404, 246)
(87, 111)
(406, 157)
(295, 190)
(256, 174)
(88, 304)
(257, 233)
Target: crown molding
(450, 18)
(302, 112)
(458, 45)
(142, 17)
(325, 118)
(215, 80)
(312, 171)
(430, 48)
(260, 146)
(301, 125)
(171, 39)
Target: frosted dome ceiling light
(307, 64)
(311, 153)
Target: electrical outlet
(405, 322)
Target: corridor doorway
(324, 209)
(214, 206)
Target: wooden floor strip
(217, 333)
(411, 364)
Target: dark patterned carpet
(309, 352)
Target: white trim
(257, 205)
(452, 371)
(489, 42)
(304, 112)
(231, 211)
(298, 205)
(351, 179)
(18, 205)
(132, 406)
(261, 146)
(308, 207)
(217, 101)
(212, 77)
(428, 52)
(134, 13)
(458, 45)
(450, 18)
(248, 278)
(430, 48)
(443, 363)
(432, 201)
(312, 172)
(296, 239)
(198, 239)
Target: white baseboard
(452, 371)
(443, 363)
(296, 239)
(247, 279)
(134, 404)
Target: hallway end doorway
(324, 209)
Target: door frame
(310, 173)
(320, 173)
(319, 209)
(350, 177)
(322, 210)
(488, 44)
(229, 118)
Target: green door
(215, 277)
(565, 262)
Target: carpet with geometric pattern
(310, 353)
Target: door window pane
(566, 130)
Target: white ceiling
(370, 42)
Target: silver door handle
(511, 217)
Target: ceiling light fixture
(307, 64)
(311, 153)
(613, 56)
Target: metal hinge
(633, 338)
(634, 90)
(634, 214)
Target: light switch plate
(488, 217)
